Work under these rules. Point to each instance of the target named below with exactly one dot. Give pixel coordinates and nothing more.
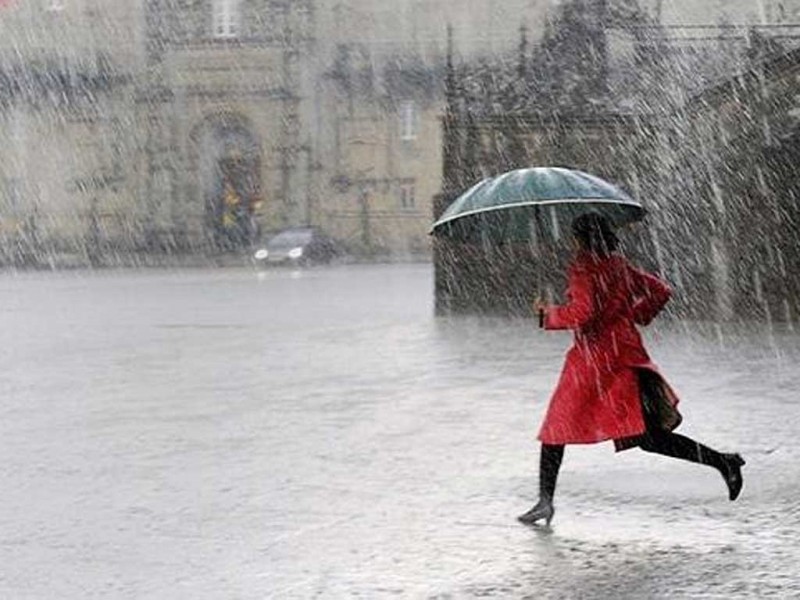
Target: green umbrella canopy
(525, 204)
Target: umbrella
(532, 204)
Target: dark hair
(595, 234)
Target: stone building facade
(137, 129)
(383, 144)
(67, 79)
(226, 100)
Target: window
(409, 120)
(407, 195)
(227, 18)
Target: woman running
(609, 389)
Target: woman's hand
(539, 308)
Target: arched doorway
(225, 159)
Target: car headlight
(261, 254)
(295, 253)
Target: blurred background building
(194, 127)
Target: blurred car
(298, 246)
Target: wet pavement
(213, 434)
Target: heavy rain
(246, 358)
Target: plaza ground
(215, 434)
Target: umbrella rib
(535, 203)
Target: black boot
(549, 464)
(679, 446)
(732, 473)
(542, 510)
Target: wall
(67, 108)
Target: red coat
(597, 396)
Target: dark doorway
(228, 170)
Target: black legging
(680, 446)
(549, 464)
(660, 441)
(655, 439)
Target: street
(215, 434)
